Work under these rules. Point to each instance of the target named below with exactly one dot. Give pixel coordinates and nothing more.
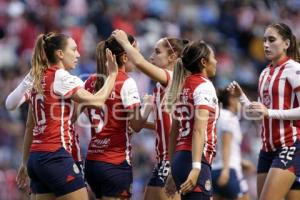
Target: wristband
(196, 165)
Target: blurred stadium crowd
(234, 28)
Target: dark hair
(286, 33)
(175, 45)
(223, 97)
(44, 54)
(112, 44)
(192, 54)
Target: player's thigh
(271, 188)
(158, 193)
(47, 196)
(80, 194)
(293, 195)
(244, 197)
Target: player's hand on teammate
(235, 89)
(170, 187)
(121, 37)
(190, 182)
(224, 177)
(112, 65)
(22, 177)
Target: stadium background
(234, 28)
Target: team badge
(207, 185)
(266, 100)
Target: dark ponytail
(293, 50)
(102, 71)
(112, 44)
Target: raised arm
(139, 61)
(84, 97)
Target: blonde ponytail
(39, 63)
(173, 94)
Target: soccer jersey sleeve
(169, 75)
(129, 94)
(294, 76)
(89, 84)
(66, 84)
(205, 97)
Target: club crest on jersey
(207, 185)
(266, 100)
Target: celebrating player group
(196, 126)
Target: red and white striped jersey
(53, 110)
(163, 120)
(277, 90)
(197, 93)
(110, 141)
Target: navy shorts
(160, 174)
(109, 180)
(235, 188)
(181, 167)
(54, 172)
(284, 158)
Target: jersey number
(97, 120)
(40, 116)
(287, 153)
(184, 123)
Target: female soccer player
(160, 69)
(228, 181)
(15, 99)
(279, 96)
(108, 168)
(50, 167)
(194, 121)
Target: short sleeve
(129, 94)
(66, 84)
(89, 84)
(169, 75)
(294, 76)
(205, 97)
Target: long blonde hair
(44, 55)
(173, 93)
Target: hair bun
(185, 41)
